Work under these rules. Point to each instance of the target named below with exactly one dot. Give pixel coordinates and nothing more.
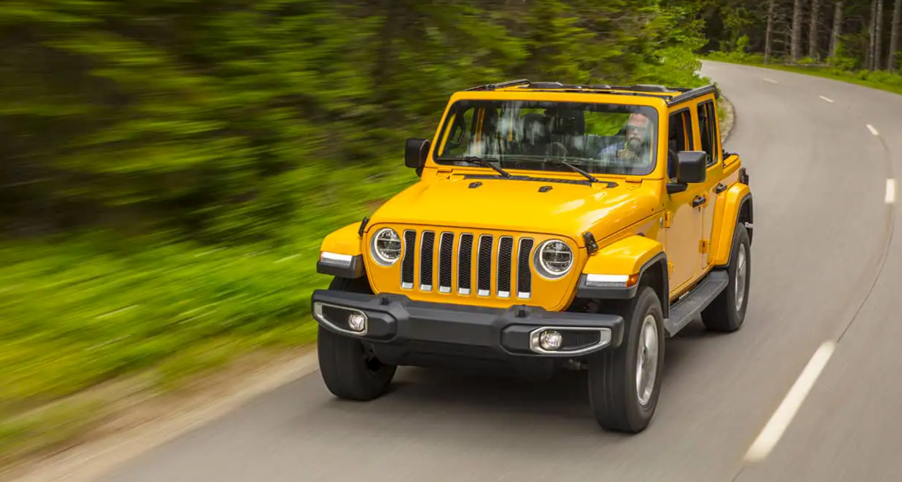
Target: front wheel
(350, 370)
(624, 383)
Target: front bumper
(396, 325)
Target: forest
(169, 167)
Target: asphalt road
(826, 268)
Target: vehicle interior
(526, 137)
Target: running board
(691, 305)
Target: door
(709, 139)
(683, 220)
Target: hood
(519, 206)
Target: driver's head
(637, 131)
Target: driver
(633, 150)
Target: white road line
(826, 99)
(890, 191)
(772, 81)
(873, 131)
(781, 419)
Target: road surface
(826, 272)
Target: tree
(768, 36)
(894, 36)
(878, 36)
(796, 42)
(871, 35)
(837, 29)
(812, 29)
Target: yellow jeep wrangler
(553, 226)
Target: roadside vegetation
(854, 41)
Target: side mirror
(691, 167)
(415, 153)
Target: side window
(679, 139)
(707, 128)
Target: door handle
(698, 201)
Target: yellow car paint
(624, 257)
(343, 241)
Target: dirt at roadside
(134, 419)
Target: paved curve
(825, 267)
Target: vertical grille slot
(410, 246)
(445, 262)
(426, 252)
(505, 255)
(464, 263)
(524, 276)
(484, 276)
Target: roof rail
(547, 85)
(693, 93)
(509, 83)
(649, 88)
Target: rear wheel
(624, 383)
(727, 312)
(349, 369)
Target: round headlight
(554, 258)
(386, 247)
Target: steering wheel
(558, 149)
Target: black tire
(724, 314)
(350, 370)
(613, 390)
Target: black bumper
(398, 326)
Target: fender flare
(345, 241)
(651, 255)
(737, 200)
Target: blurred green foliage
(169, 167)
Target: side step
(691, 305)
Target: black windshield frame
(549, 164)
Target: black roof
(678, 94)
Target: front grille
(410, 246)
(456, 254)
(524, 275)
(505, 252)
(484, 270)
(445, 260)
(426, 261)
(464, 264)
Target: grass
(83, 310)
(890, 82)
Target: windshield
(536, 135)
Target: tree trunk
(768, 38)
(878, 35)
(796, 43)
(894, 36)
(387, 34)
(873, 23)
(812, 30)
(837, 29)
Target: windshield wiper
(482, 162)
(573, 168)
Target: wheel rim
(647, 360)
(741, 274)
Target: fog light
(357, 322)
(550, 340)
